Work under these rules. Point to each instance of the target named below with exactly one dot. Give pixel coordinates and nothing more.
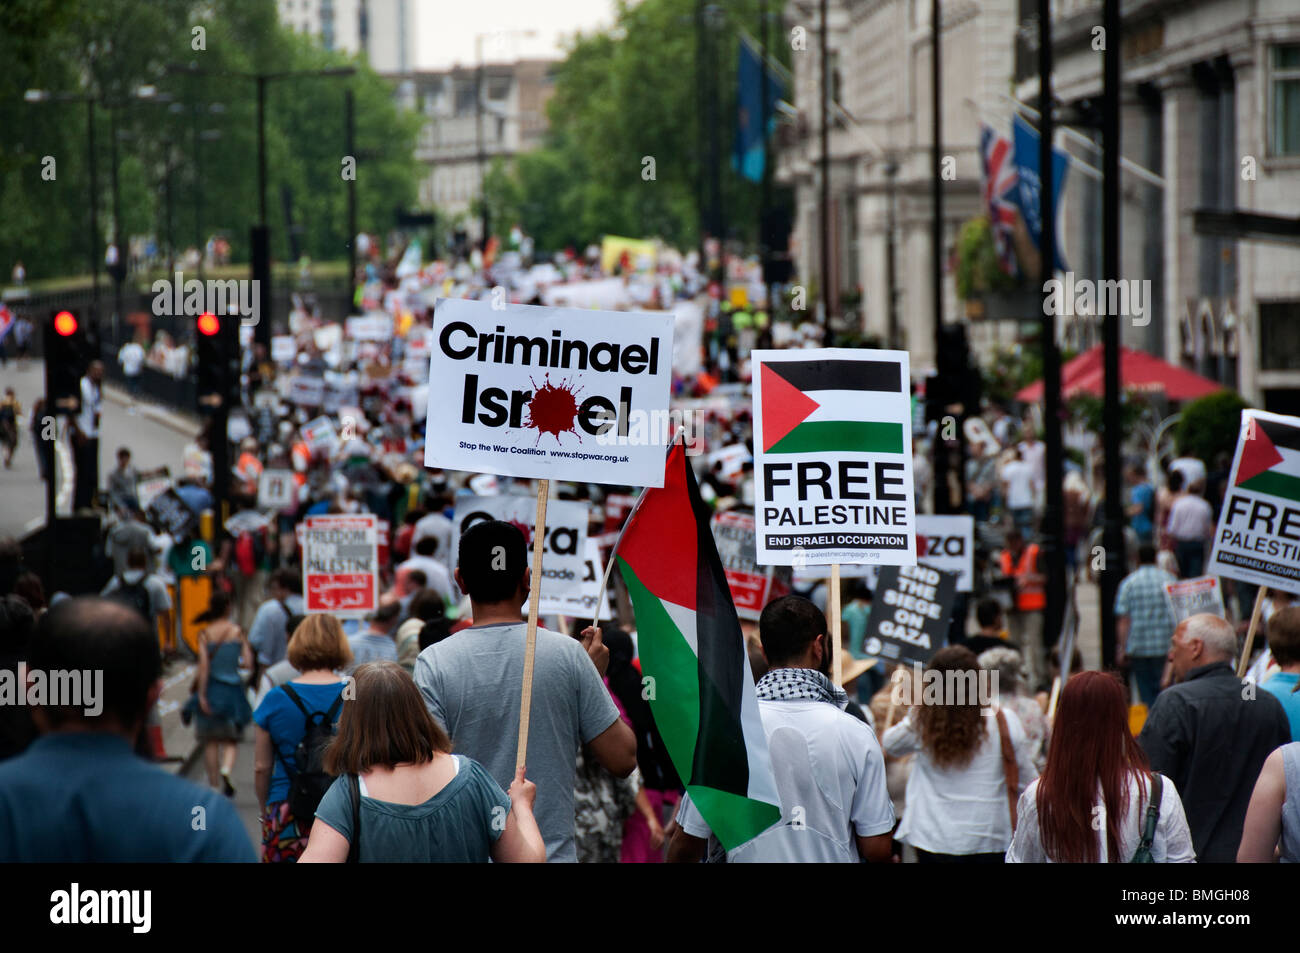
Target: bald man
(1211, 733)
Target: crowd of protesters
(392, 738)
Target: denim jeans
(1146, 672)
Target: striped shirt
(1142, 598)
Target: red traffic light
(209, 324)
(65, 324)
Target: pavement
(156, 435)
(185, 754)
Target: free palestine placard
(833, 458)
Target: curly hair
(951, 733)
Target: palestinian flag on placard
(825, 406)
(1270, 459)
(690, 643)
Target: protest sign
(752, 586)
(306, 391)
(276, 490)
(370, 327)
(564, 547)
(527, 391)
(340, 567)
(1189, 597)
(148, 488)
(582, 605)
(319, 434)
(1258, 537)
(171, 512)
(833, 457)
(284, 349)
(948, 543)
(909, 614)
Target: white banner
(276, 490)
(1258, 536)
(549, 393)
(833, 458)
(340, 566)
(1189, 597)
(563, 549)
(307, 391)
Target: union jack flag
(999, 191)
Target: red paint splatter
(553, 409)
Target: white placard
(1258, 536)
(833, 458)
(276, 490)
(370, 327)
(1189, 597)
(549, 393)
(284, 349)
(563, 549)
(320, 434)
(306, 391)
(340, 566)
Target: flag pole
(1250, 632)
(530, 639)
(836, 663)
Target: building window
(1279, 335)
(1284, 100)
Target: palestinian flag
(824, 406)
(690, 643)
(1270, 458)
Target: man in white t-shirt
(131, 357)
(84, 435)
(829, 770)
(1018, 491)
(438, 526)
(1190, 525)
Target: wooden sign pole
(530, 639)
(834, 604)
(1250, 632)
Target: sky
(447, 28)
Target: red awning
(1138, 370)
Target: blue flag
(1029, 185)
(749, 151)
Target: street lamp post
(259, 234)
(479, 108)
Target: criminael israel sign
(525, 391)
(833, 458)
(1258, 536)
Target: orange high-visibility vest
(1029, 596)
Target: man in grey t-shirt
(471, 685)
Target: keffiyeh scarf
(792, 684)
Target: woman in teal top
(414, 800)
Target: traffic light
(217, 353)
(69, 348)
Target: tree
(108, 49)
(623, 96)
(1209, 426)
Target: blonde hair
(319, 643)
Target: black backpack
(308, 779)
(134, 595)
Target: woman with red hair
(1093, 802)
